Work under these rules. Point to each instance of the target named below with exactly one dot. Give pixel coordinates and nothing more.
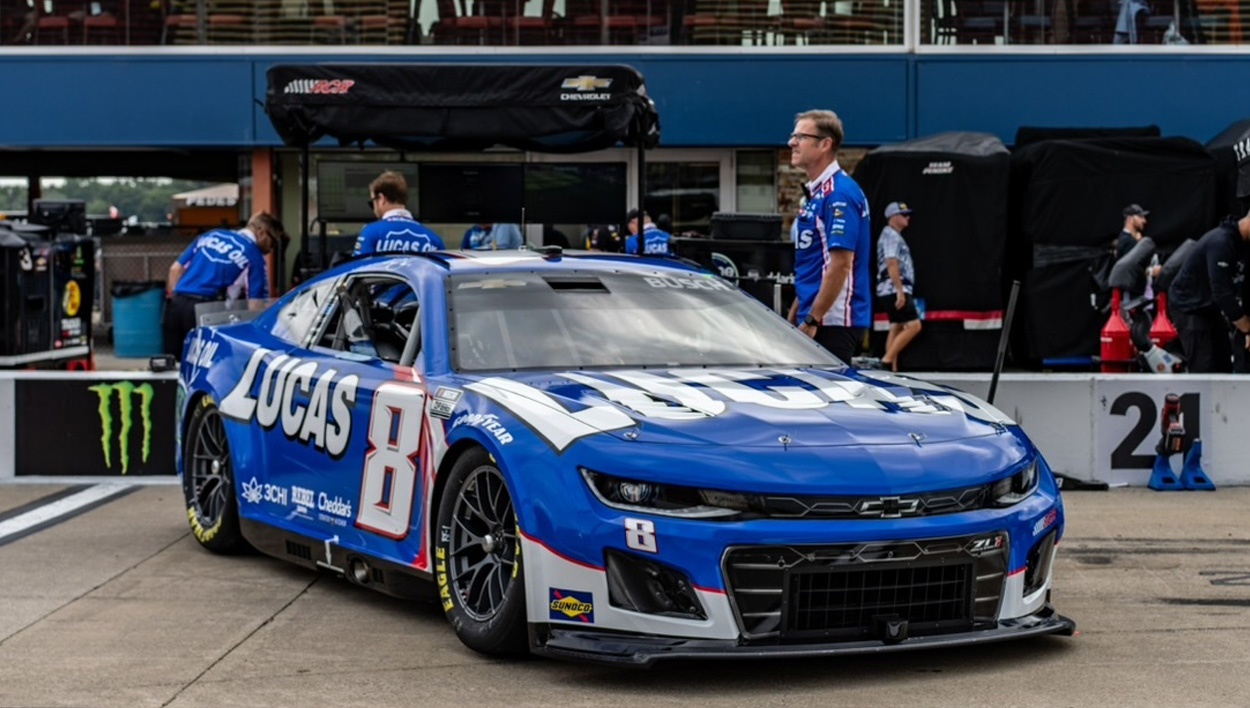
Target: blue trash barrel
(137, 317)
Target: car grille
(949, 501)
(843, 592)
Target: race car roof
(544, 108)
(521, 260)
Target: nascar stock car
(612, 458)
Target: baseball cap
(1135, 210)
(896, 208)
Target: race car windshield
(514, 321)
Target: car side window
(372, 316)
(299, 316)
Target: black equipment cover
(463, 107)
(1231, 150)
(1029, 134)
(1172, 265)
(957, 185)
(1067, 204)
(1129, 273)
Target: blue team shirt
(654, 242)
(498, 236)
(216, 259)
(835, 216)
(396, 231)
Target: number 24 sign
(1128, 420)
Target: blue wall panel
(731, 99)
(137, 101)
(1191, 95)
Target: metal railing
(538, 23)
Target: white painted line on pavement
(59, 510)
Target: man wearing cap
(1134, 226)
(655, 242)
(896, 275)
(210, 266)
(833, 240)
(395, 231)
(1205, 300)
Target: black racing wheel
(208, 482)
(478, 558)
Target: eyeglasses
(372, 198)
(798, 137)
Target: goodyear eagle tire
(208, 482)
(478, 558)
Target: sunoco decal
(312, 403)
(568, 605)
(127, 394)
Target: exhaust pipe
(358, 571)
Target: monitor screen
(343, 188)
(575, 192)
(470, 193)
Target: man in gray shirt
(896, 275)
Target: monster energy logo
(126, 390)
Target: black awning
(544, 108)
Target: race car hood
(742, 407)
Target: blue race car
(610, 458)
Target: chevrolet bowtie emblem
(586, 83)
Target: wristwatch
(811, 321)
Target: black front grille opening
(642, 585)
(298, 550)
(854, 604)
(1038, 568)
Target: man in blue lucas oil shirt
(491, 237)
(395, 230)
(655, 242)
(832, 245)
(210, 265)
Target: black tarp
(1231, 150)
(462, 107)
(957, 185)
(1029, 134)
(1067, 207)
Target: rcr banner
(94, 427)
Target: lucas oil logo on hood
(312, 403)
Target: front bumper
(560, 642)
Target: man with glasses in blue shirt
(395, 231)
(832, 243)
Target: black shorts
(906, 313)
(844, 342)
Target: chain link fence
(133, 258)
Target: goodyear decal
(568, 605)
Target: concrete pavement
(120, 607)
